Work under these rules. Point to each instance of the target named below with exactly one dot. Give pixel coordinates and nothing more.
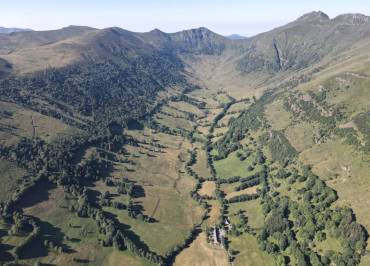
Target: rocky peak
(198, 34)
(314, 16)
(201, 39)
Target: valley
(187, 148)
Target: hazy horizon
(248, 19)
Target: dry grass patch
(176, 123)
(301, 135)
(208, 188)
(117, 257)
(201, 165)
(172, 111)
(201, 253)
(250, 191)
(238, 107)
(187, 107)
(214, 214)
(277, 116)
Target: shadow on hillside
(5, 256)
(50, 233)
(128, 232)
(37, 194)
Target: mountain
(11, 30)
(158, 144)
(235, 37)
(306, 41)
(278, 50)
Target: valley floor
(195, 204)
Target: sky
(244, 17)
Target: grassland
(208, 189)
(249, 191)
(301, 135)
(172, 111)
(200, 167)
(10, 179)
(187, 107)
(233, 166)
(79, 236)
(225, 120)
(214, 213)
(174, 122)
(249, 253)
(201, 253)
(238, 107)
(166, 191)
(328, 244)
(277, 116)
(17, 122)
(252, 209)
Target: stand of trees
(243, 197)
(292, 227)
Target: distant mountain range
(296, 45)
(10, 30)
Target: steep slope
(304, 42)
(247, 67)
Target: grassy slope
(249, 251)
(20, 122)
(346, 169)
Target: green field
(253, 211)
(249, 253)
(232, 166)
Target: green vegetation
(119, 156)
(248, 252)
(280, 148)
(233, 166)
